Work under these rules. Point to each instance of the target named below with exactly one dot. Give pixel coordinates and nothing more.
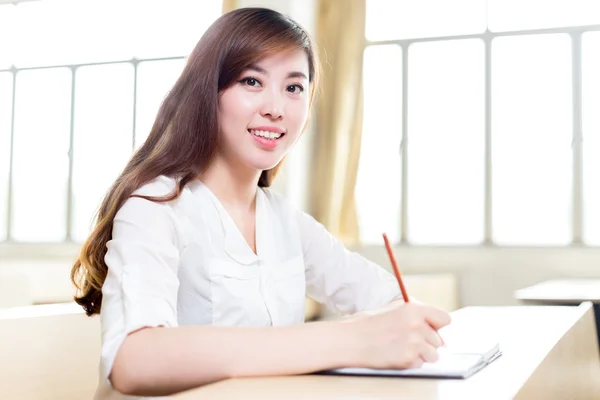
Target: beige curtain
(340, 36)
(229, 5)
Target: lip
(268, 129)
(267, 144)
(264, 143)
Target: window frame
(69, 204)
(575, 33)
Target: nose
(272, 106)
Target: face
(262, 114)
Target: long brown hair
(184, 136)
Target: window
(497, 96)
(86, 92)
(446, 142)
(515, 15)
(155, 78)
(591, 136)
(41, 154)
(380, 179)
(101, 145)
(6, 83)
(392, 20)
(531, 139)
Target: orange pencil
(397, 272)
(396, 269)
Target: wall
(490, 275)
(485, 275)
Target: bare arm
(162, 361)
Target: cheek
(245, 105)
(236, 109)
(300, 114)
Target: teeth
(265, 134)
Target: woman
(198, 271)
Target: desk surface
(562, 291)
(548, 352)
(48, 352)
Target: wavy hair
(184, 136)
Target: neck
(234, 186)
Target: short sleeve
(341, 279)
(141, 285)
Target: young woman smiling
(199, 272)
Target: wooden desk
(558, 292)
(564, 292)
(48, 352)
(549, 353)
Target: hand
(400, 335)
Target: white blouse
(185, 262)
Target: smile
(266, 134)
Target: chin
(266, 167)
(264, 164)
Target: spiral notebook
(455, 362)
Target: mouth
(266, 135)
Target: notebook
(455, 362)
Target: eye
(295, 89)
(249, 81)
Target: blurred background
(468, 130)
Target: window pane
(103, 137)
(155, 79)
(446, 140)
(6, 81)
(182, 24)
(393, 19)
(59, 20)
(41, 162)
(510, 15)
(591, 135)
(90, 31)
(378, 183)
(531, 146)
(7, 31)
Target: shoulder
(146, 217)
(158, 187)
(140, 209)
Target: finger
(431, 336)
(417, 363)
(437, 318)
(429, 353)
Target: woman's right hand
(397, 336)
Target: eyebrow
(293, 74)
